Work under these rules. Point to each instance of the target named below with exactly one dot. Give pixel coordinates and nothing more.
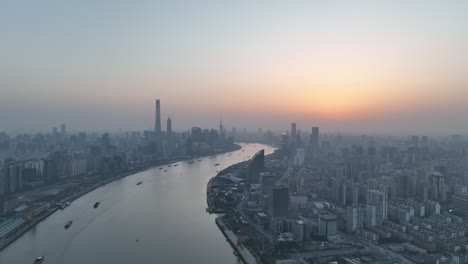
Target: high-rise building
(372, 216)
(279, 202)
(380, 199)
(354, 218)
(54, 167)
(293, 134)
(157, 122)
(2, 182)
(460, 203)
(169, 126)
(301, 229)
(63, 130)
(268, 183)
(465, 175)
(327, 225)
(257, 165)
(439, 187)
(196, 134)
(403, 185)
(422, 192)
(314, 139)
(299, 156)
(433, 207)
(12, 176)
(221, 132)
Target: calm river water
(163, 220)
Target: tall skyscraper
(157, 122)
(221, 132)
(439, 187)
(63, 130)
(279, 202)
(403, 186)
(314, 139)
(354, 218)
(169, 126)
(257, 165)
(293, 134)
(268, 183)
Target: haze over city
(249, 131)
(356, 66)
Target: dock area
(243, 253)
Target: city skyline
(249, 131)
(354, 67)
(277, 128)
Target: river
(162, 220)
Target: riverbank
(26, 228)
(242, 252)
(231, 181)
(167, 209)
(23, 229)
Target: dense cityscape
(319, 198)
(228, 132)
(42, 173)
(348, 199)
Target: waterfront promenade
(242, 252)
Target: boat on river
(68, 224)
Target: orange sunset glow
(349, 65)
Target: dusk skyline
(383, 67)
(248, 131)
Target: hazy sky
(396, 66)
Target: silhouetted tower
(314, 139)
(157, 122)
(169, 126)
(63, 130)
(293, 134)
(220, 131)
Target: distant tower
(157, 123)
(63, 130)
(293, 134)
(169, 126)
(314, 139)
(220, 131)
